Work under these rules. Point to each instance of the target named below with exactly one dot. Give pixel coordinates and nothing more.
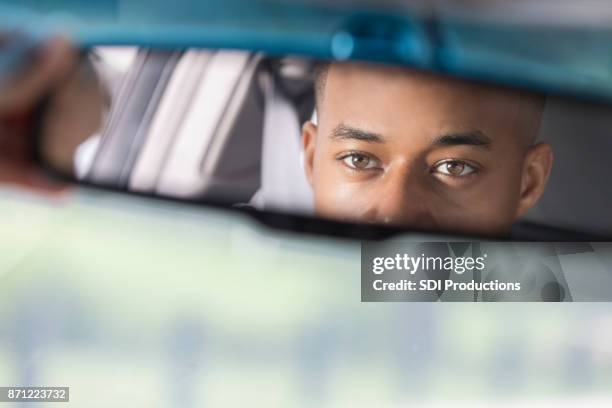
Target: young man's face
(407, 148)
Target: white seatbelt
(169, 117)
(183, 176)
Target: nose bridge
(402, 197)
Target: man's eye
(359, 161)
(455, 168)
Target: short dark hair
(320, 78)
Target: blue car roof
(559, 58)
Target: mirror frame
(441, 44)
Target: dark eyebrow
(472, 138)
(343, 132)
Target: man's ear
(309, 141)
(536, 170)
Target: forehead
(406, 82)
(394, 98)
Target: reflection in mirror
(350, 141)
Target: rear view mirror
(356, 142)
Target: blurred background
(95, 296)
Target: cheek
(504, 186)
(337, 198)
(335, 195)
(488, 206)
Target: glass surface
(366, 143)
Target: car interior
(177, 126)
(185, 124)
